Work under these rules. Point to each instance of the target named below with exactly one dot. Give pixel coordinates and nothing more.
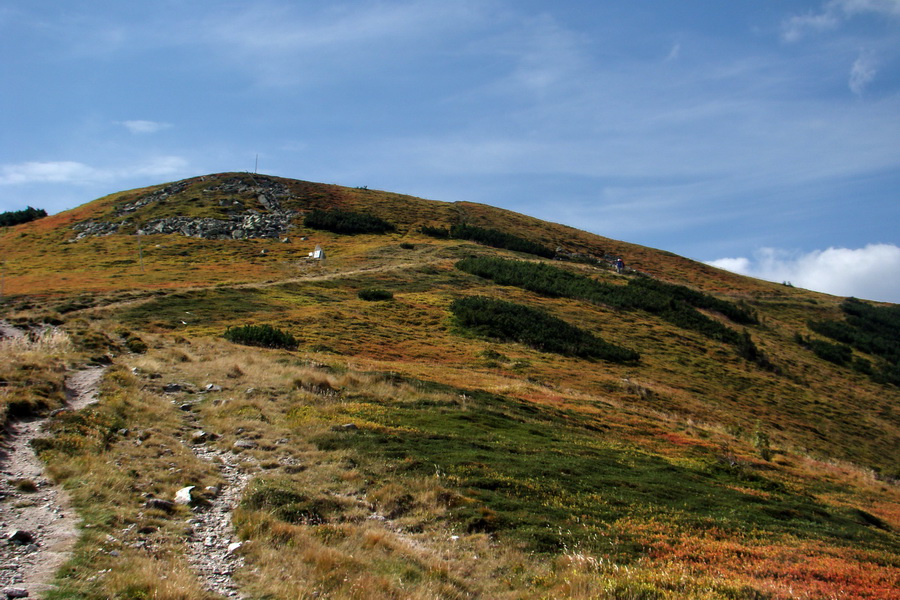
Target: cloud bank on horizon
(866, 273)
(710, 129)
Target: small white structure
(318, 253)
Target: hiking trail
(37, 522)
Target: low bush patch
(342, 221)
(17, 217)
(374, 295)
(514, 322)
(264, 336)
(489, 237)
(871, 329)
(673, 303)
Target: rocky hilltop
(266, 218)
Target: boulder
(20, 537)
(183, 496)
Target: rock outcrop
(248, 226)
(271, 222)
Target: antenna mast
(256, 167)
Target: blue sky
(763, 136)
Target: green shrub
(136, 344)
(838, 354)
(17, 217)
(374, 294)
(743, 314)
(265, 336)
(436, 232)
(871, 329)
(508, 321)
(341, 221)
(499, 239)
(489, 237)
(676, 304)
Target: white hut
(318, 253)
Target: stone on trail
(15, 592)
(183, 496)
(20, 537)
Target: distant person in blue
(620, 265)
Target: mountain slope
(728, 460)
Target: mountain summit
(407, 398)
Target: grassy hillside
(402, 451)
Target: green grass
(204, 307)
(537, 478)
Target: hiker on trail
(620, 265)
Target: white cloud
(140, 126)
(674, 53)
(872, 272)
(889, 8)
(46, 172)
(862, 73)
(796, 27)
(73, 172)
(833, 14)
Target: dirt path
(37, 523)
(9, 331)
(213, 548)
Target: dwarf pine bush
(674, 303)
(343, 221)
(17, 217)
(489, 237)
(264, 336)
(872, 329)
(514, 322)
(375, 294)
